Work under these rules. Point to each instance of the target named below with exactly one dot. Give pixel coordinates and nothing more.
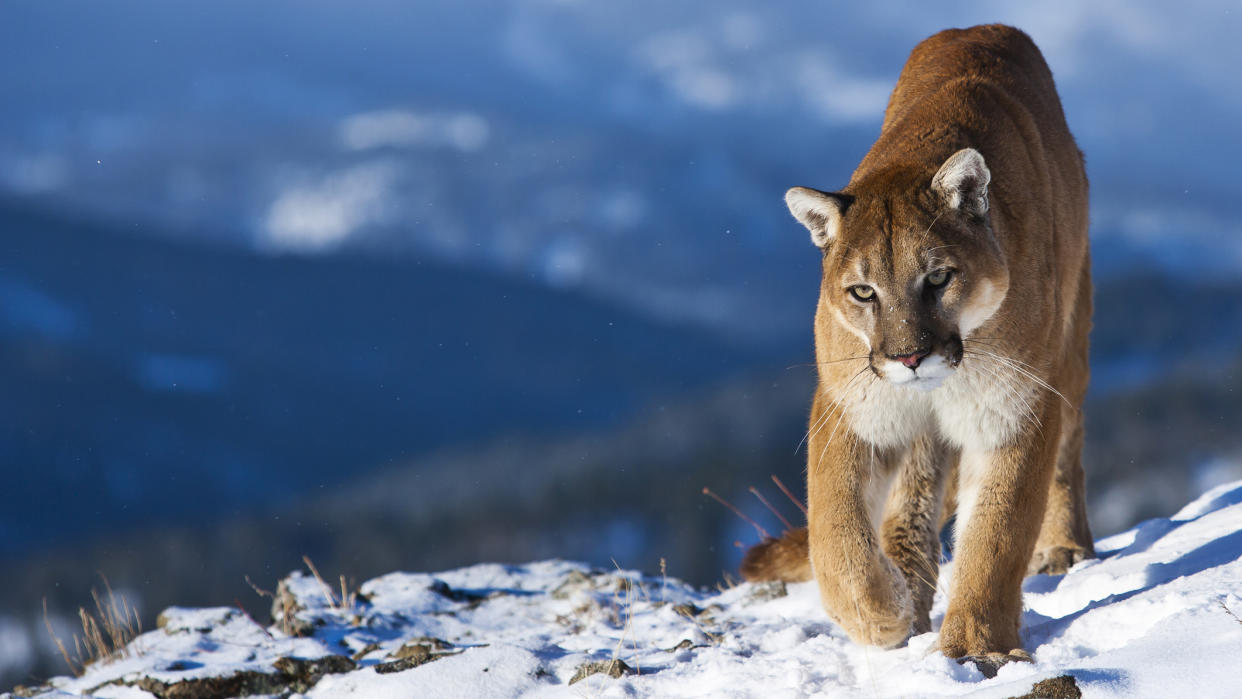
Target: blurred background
(412, 285)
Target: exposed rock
(427, 642)
(304, 674)
(236, 685)
(415, 652)
(686, 644)
(613, 668)
(688, 610)
(765, 591)
(473, 599)
(400, 665)
(1062, 687)
(292, 675)
(418, 653)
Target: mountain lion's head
(910, 263)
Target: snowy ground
(1153, 617)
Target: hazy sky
(608, 145)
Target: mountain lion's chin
(922, 384)
(927, 384)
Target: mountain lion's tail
(786, 559)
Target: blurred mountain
(138, 369)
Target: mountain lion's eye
(938, 278)
(862, 292)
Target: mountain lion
(951, 342)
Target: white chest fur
(979, 407)
(984, 406)
(887, 414)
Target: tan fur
(781, 559)
(951, 336)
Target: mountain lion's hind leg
(1065, 536)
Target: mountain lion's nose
(911, 360)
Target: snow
(1152, 617)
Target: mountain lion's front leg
(1001, 498)
(911, 528)
(860, 587)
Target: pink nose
(911, 360)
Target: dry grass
(283, 609)
(625, 607)
(663, 580)
(346, 604)
(106, 632)
(1229, 611)
(763, 533)
(285, 606)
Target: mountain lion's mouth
(928, 375)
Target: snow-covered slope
(1153, 617)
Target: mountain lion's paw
(989, 663)
(1056, 560)
(882, 615)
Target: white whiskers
(814, 429)
(1020, 367)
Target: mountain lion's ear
(820, 212)
(962, 182)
